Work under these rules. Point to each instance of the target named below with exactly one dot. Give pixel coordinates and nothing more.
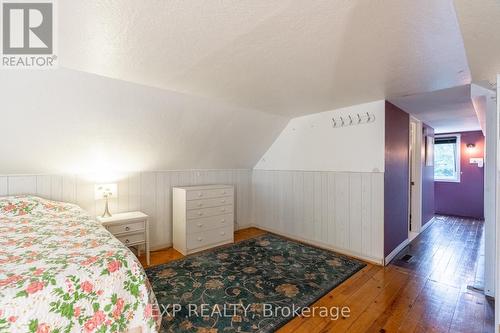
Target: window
(447, 158)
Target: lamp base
(106, 210)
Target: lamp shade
(105, 191)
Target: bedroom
(266, 142)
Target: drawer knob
(223, 221)
(200, 225)
(200, 213)
(223, 201)
(223, 192)
(223, 209)
(200, 204)
(127, 228)
(200, 194)
(127, 241)
(223, 233)
(200, 239)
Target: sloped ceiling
(480, 24)
(447, 110)
(72, 122)
(287, 57)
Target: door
(415, 179)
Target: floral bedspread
(61, 271)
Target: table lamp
(105, 191)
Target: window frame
(458, 157)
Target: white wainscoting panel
(4, 185)
(20, 185)
(336, 210)
(149, 192)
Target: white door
(415, 202)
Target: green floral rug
(249, 286)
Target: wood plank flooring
(426, 294)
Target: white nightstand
(132, 229)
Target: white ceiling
(288, 57)
(480, 25)
(453, 109)
(448, 110)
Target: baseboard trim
(160, 247)
(427, 225)
(244, 226)
(170, 244)
(395, 252)
(375, 261)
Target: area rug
(247, 286)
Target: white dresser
(203, 217)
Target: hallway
(447, 256)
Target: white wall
(325, 185)
(149, 192)
(82, 129)
(65, 121)
(342, 211)
(310, 143)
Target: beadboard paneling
(340, 211)
(19, 185)
(4, 185)
(150, 192)
(336, 210)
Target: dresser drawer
(209, 223)
(201, 239)
(132, 239)
(206, 203)
(204, 194)
(206, 212)
(126, 227)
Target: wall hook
(351, 120)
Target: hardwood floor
(426, 294)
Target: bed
(61, 271)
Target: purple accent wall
(427, 179)
(467, 197)
(396, 177)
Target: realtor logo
(28, 34)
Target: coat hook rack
(352, 120)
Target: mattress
(61, 271)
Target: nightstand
(132, 229)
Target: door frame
(496, 256)
(415, 172)
(484, 100)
